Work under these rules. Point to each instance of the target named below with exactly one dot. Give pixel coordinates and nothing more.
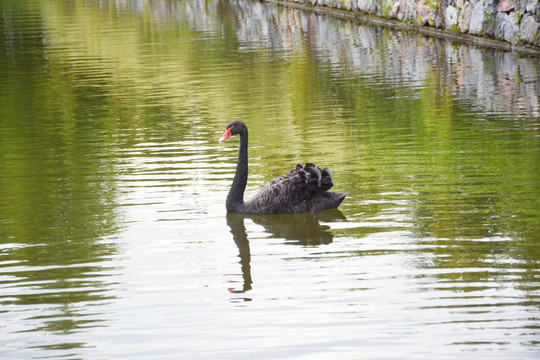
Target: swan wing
(281, 193)
(293, 191)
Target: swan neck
(235, 198)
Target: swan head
(234, 128)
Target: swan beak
(226, 135)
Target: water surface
(114, 239)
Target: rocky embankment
(513, 21)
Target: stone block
(410, 11)
(506, 5)
(459, 3)
(464, 17)
(423, 12)
(530, 30)
(373, 7)
(527, 6)
(394, 11)
(483, 18)
(362, 5)
(500, 20)
(367, 6)
(532, 6)
(507, 27)
(511, 33)
(450, 17)
(401, 10)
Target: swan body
(303, 189)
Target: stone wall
(480, 79)
(513, 21)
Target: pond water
(114, 239)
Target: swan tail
(328, 200)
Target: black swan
(302, 189)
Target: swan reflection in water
(299, 229)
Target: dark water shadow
(297, 229)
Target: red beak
(226, 135)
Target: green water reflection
(422, 152)
(57, 189)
